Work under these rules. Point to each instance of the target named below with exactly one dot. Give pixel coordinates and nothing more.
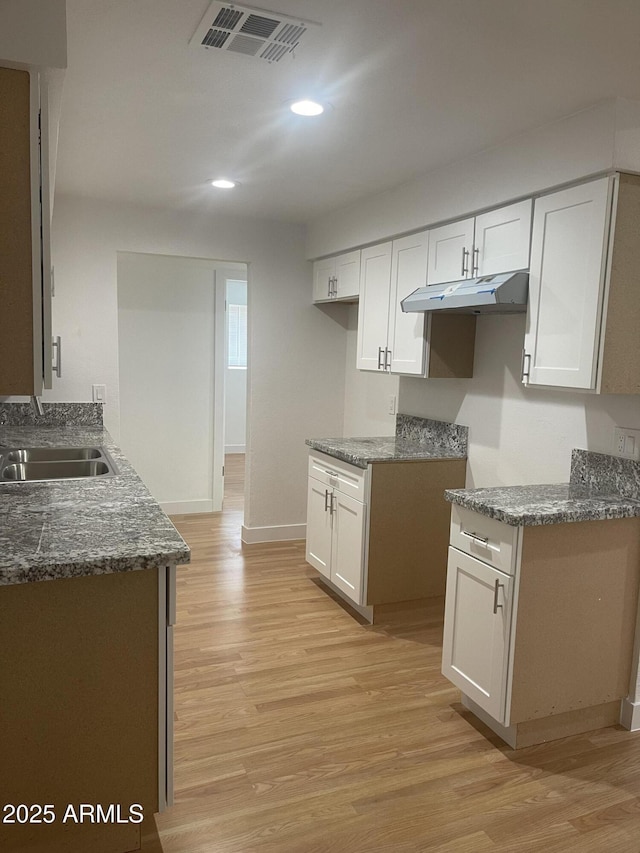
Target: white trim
(219, 362)
(187, 507)
(235, 448)
(630, 715)
(277, 533)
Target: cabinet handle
(526, 362)
(334, 291)
(380, 357)
(484, 540)
(332, 507)
(56, 344)
(326, 499)
(387, 363)
(475, 264)
(465, 257)
(495, 596)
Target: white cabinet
(25, 265)
(409, 344)
(540, 621)
(335, 524)
(475, 644)
(373, 308)
(493, 242)
(379, 535)
(583, 296)
(337, 278)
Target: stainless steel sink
(51, 454)
(42, 464)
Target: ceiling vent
(250, 31)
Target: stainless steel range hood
(502, 293)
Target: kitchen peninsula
(87, 604)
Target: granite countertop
(415, 439)
(71, 528)
(362, 451)
(600, 487)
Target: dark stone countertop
(70, 528)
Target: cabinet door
(323, 272)
(450, 252)
(502, 239)
(348, 275)
(475, 647)
(318, 549)
(566, 284)
(406, 331)
(348, 546)
(373, 310)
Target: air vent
(253, 32)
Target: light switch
(99, 393)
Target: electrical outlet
(99, 393)
(391, 408)
(626, 442)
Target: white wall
(517, 435)
(166, 349)
(593, 140)
(366, 394)
(33, 32)
(296, 352)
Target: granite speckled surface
(79, 527)
(600, 487)
(55, 414)
(415, 439)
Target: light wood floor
(300, 730)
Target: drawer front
(347, 479)
(491, 541)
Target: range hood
(502, 293)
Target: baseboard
(630, 715)
(278, 533)
(235, 448)
(188, 507)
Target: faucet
(37, 406)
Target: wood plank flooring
(300, 730)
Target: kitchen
(517, 435)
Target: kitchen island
(377, 524)
(87, 606)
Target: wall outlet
(391, 407)
(626, 442)
(99, 393)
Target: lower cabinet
(379, 535)
(540, 623)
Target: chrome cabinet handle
(380, 357)
(465, 258)
(326, 499)
(484, 540)
(332, 507)
(495, 596)
(526, 362)
(475, 264)
(334, 280)
(387, 363)
(56, 344)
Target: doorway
(171, 348)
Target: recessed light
(223, 184)
(307, 108)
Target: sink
(41, 464)
(51, 454)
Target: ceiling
(414, 84)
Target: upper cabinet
(494, 242)
(337, 278)
(25, 267)
(583, 296)
(409, 344)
